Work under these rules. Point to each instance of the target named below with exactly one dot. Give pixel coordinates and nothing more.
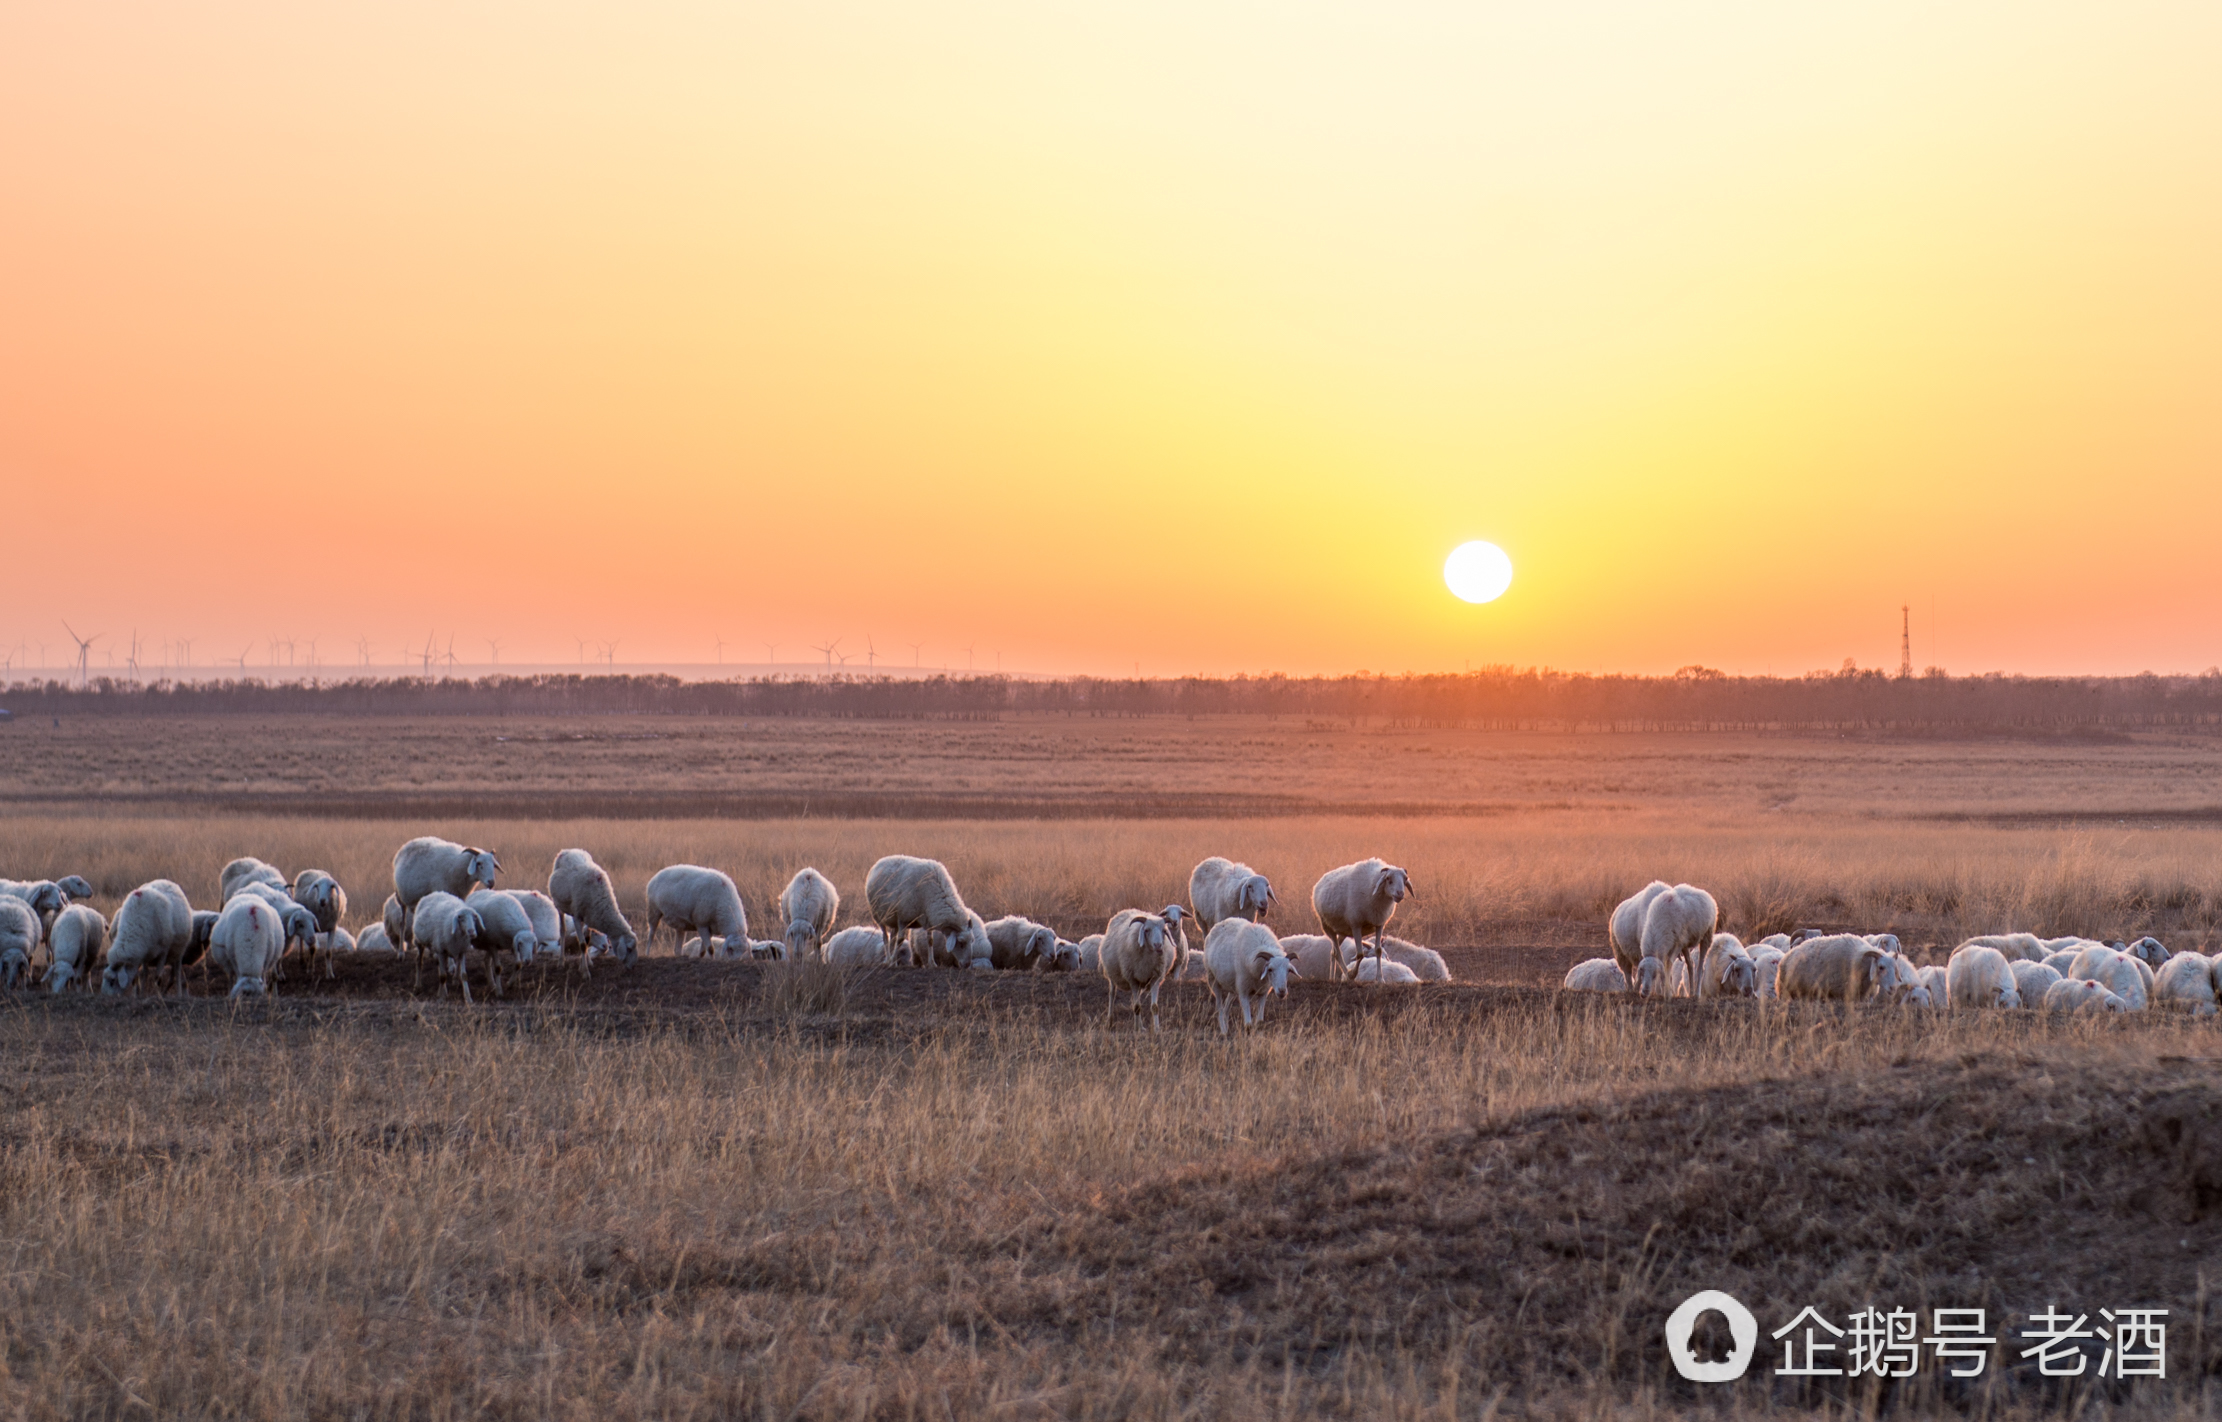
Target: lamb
(1728, 970)
(582, 889)
(395, 917)
(243, 871)
(1064, 958)
(2116, 971)
(1174, 914)
(1137, 959)
(809, 905)
(1624, 929)
(1680, 923)
(861, 946)
(2187, 981)
(1244, 961)
(1018, 944)
(1766, 962)
(429, 864)
(247, 941)
(905, 893)
(1978, 976)
(504, 926)
(1841, 967)
(2011, 946)
(1596, 975)
(1355, 900)
(76, 940)
(154, 928)
(2032, 980)
(1220, 889)
(2082, 995)
(20, 932)
(966, 948)
(1091, 953)
(695, 901)
(1384, 970)
(448, 929)
(547, 923)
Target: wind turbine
(771, 650)
(450, 654)
(362, 649)
(131, 658)
(243, 651)
(582, 648)
(721, 651)
(493, 649)
(84, 651)
(915, 649)
(968, 656)
(424, 658)
(871, 653)
(187, 654)
(828, 650)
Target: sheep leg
(1223, 1016)
(1155, 1025)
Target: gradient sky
(1184, 335)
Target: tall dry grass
(1517, 880)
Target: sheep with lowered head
(76, 940)
(1220, 889)
(1842, 967)
(1624, 929)
(1766, 962)
(20, 932)
(1728, 970)
(247, 870)
(1017, 944)
(904, 892)
(1138, 956)
(1355, 900)
(860, 946)
(1680, 923)
(2032, 980)
(1064, 958)
(2122, 975)
(695, 901)
(45, 898)
(449, 929)
(2011, 946)
(1979, 975)
(546, 920)
(2186, 982)
(808, 906)
(2082, 995)
(1596, 975)
(246, 942)
(1091, 953)
(1933, 980)
(154, 928)
(1244, 962)
(581, 888)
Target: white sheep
(247, 941)
(547, 922)
(695, 901)
(967, 948)
(322, 895)
(1243, 962)
(20, 932)
(1017, 944)
(1679, 923)
(860, 946)
(2011, 946)
(1596, 975)
(447, 928)
(1355, 900)
(1176, 919)
(1728, 970)
(2032, 980)
(429, 864)
(2149, 951)
(1137, 959)
(1313, 954)
(1064, 958)
(247, 870)
(44, 897)
(581, 888)
(1425, 963)
(374, 940)
(2187, 981)
(1624, 928)
(1840, 967)
(905, 893)
(1772, 940)
(2082, 995)
(1384, 970)
(2062, 960)
(2117, 972)
(153, 928)
(1091, 953)
(1901, 981)
(808, 906)
(504, 927)
(1977, 976)
(1934, 983)
(395, 917)
(339, 940)
(1221, 889)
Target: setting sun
(1477, 571)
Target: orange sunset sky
(1182, 335)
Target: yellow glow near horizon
(1158, 334)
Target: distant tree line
(1504, 698)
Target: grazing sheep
(547, 922)
(76, 940)
(1091, 953)
(1018, 944)
(429, 864)
(905, 893)
(45, 897)
(1138, 956)
(1772, 940)
(809, 905)
(1933, 981)
(1680, 923)
(503, 927)
(967, 948)
(861, 946)
(154, 928)
(1356, 900)
(1978, 976)
(696, 902)
(395, 916)
(2187, 981)
(1596, 975)
(2061, 961)
(1842, 967)
(1728, 970)
(374, 939)
(1384, 970)
(447, 928)
(2012, 946)
(2115, 970)
(1064, 958)
(1244, 961)
(1901, 982)
(1220, 889)
(247, 941)
(2032, 980)
(2082, 995)
(581, 888)
(1624, 929)
(247, 870)
(20, 932)
(1766, 963)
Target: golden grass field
(725, 1189)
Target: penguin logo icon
(1742, 1327)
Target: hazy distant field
(718, 1189)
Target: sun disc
(1477, 571)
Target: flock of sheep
(446, 911)
(1666, 940)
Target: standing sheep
(1842, 967)
(808, 906)
(581, 888)
(2187, 981)
(1356, 900)
(1624, 930)
(45, 897)
(76, 940)
(1242, 961)
(153, 929)
(2124, 976)
(1978, 976)
(1017, 944)
(1766, 962)
(246, 942)
(695, 901)
(1137, 959)
(320, 894)
(20, 932)
(547, 923)
(1727, 970)
(503, 927)
(429, 864)
(1596, 975)
(1091, 953)
(905, 893)
(448, 929)
(1220, 889)
(1680, 923)
(247, 870)
(1933, 979)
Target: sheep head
(15, 965)
(482, 865)
(798, 938)
(1256, 898)
(75, 886)
(1648, 975)
(1273, 969)
(1394, 884)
